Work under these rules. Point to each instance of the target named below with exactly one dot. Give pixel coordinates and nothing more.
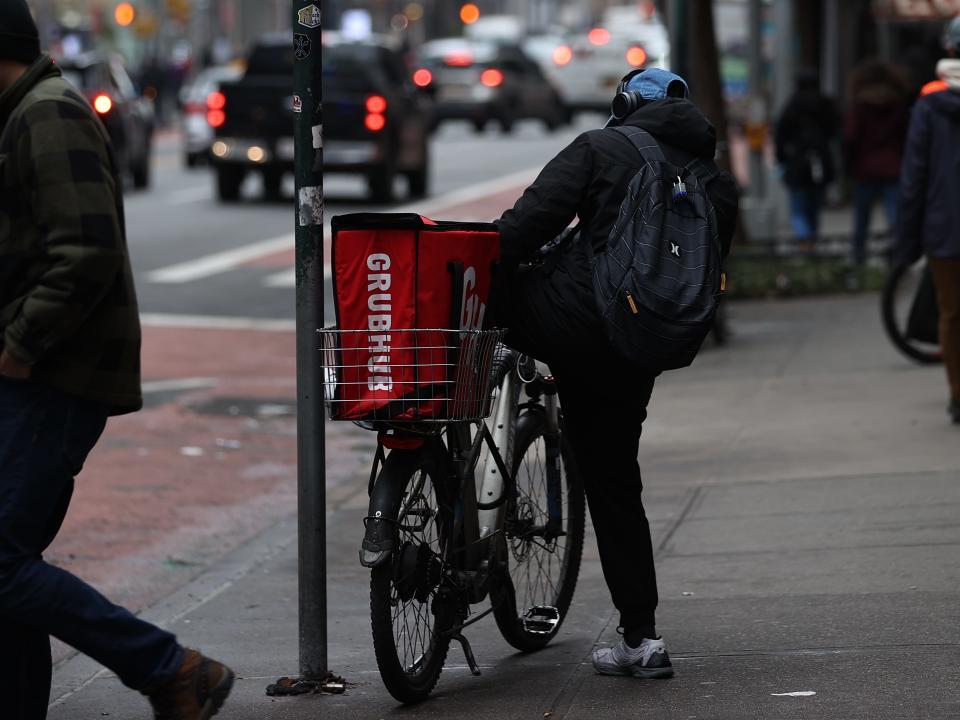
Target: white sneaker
(650, 660)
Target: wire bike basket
(422, 375)
(411, 342)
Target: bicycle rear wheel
(544, 536)
(408, 631)
(899, 294)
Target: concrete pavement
(803, 486)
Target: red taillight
(599, 36)
(636, 56)
(375, 122)
(216, 118)
(458, 60)
(216, 100)
(422, 78)
(562, 55)
(102, 104)
(376, 104)
(491, 77)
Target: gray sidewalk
(803, 486)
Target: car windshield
(349, 69)
(271, 59)
(457, 53)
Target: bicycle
(909, 312)
(474, 496)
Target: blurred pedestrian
(69, 358)
(153, 84)
(804, 137)
(874, 133)
(930, 201)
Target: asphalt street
(196, 256)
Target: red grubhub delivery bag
(403, 286)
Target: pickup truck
(376, 122)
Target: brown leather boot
(196, 692)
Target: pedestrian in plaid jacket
(69, 358)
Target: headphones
(624, 103)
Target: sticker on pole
(309, 16)
(310, 202)
(301, 46)
(297, 104)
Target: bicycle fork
(551, 439)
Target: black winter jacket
(589, 179)
(930, 180)
(803, 136)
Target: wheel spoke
(413, 620)
(537, 566)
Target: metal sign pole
(311, 472)
(679, 32)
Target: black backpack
(658, 282)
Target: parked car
(376, 123)
(194, 101)
(127, 116)
(484, 81)
(587, 66)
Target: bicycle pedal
(541, 619)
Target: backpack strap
(649, 148)
(643, 141)
(706, 172)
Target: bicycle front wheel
(900, 296)
(544, 537)
(409, 636)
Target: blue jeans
(45, 436)
(865, 195)
(805, 205)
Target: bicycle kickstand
(468, 652)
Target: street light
(469, 14)
(124, 14)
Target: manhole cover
(263, 408)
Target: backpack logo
(674, 249)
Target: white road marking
(288, 278)
(198, 193)
(284, 279)
(214, 264)
(436, 206)
(156, 386)
(210, 322)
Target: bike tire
(510, 601)
(392, 582)
(923, 354)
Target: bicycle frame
(479, 457)
(482, 453)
